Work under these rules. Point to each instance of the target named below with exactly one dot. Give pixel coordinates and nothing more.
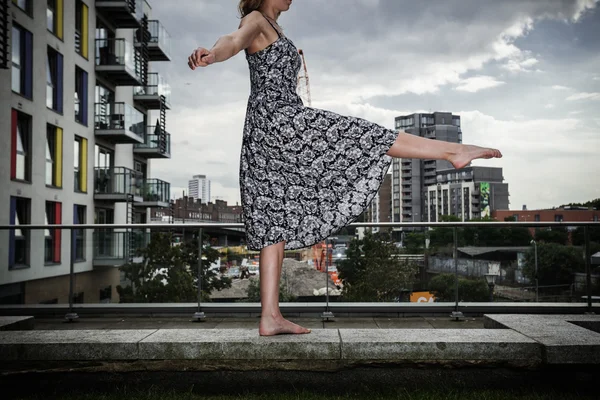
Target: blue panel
(59, 83)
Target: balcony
(118, 123)
(155, 193)
(115, 249)
(122, 13)
(116, 60)
(150, 96)
(156, 145)
(117, 184)
(111, 249)
(159, 41)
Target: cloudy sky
(524, 75)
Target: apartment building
(410, 177)
(199, 188)
(380, 208)
(467, 193)
(87, 116)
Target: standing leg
(271, 320)
(411, 146)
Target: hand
(200, 58)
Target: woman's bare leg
(411, 146)
(271, 320)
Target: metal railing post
(71, 316)
(457, 315)
(199, 315)
(588, 269)
(327, 313)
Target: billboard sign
(484, 199)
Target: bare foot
(469, 153)
(270, 326)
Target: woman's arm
(229, 45)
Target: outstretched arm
(229, 45)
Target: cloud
(549, 106)
(584, 96)
(477, 83)
(380, 59)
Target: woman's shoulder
(255, 16)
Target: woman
(304, 173)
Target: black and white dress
(305, 173)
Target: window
(80, 156)
(558, 218)
(595, 218)
(81, 101)
(25, 5)
(79, 218)
(536, 217)
(54, 17)
(515, 217)
(52, 236)
(54, 136)
(20, 214)
(106, 294)
(54, 80)
(20, 165)
(22, 56)
(81, 28)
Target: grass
(370, 395)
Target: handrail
(354, 225)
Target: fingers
(201, 57)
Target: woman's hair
(247, 6)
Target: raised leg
(271, 320)
(460, 155)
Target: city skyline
(523, 77)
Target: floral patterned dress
(305, 173)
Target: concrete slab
(402, 323)
(564, 340)
(239, 344)
(448, 323)
(351, 323)
(71, 345)
(16, 323)
(438, 344)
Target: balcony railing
(122, 13)
(470, 252)
(150, 95)
(155, 193)
(155, 145)
(116, 61)
(117, 184)
(119, 122)
(159, 43)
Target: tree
(414, 242)
(370, 272)
(557, 234)
(592, 203)
(444, 288)
(168, 273)
(556, 263)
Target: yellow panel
(83, 165)
(59, 18)
(84, 30)
(59, 157)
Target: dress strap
(272, 26)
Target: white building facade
(87, 116)
(199, 188)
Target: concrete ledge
(225, 347)
(16, 323)
(239, 344)
(564, 337)
(438, 344)
(97, 345)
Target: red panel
(57, 232)
(13, 145)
